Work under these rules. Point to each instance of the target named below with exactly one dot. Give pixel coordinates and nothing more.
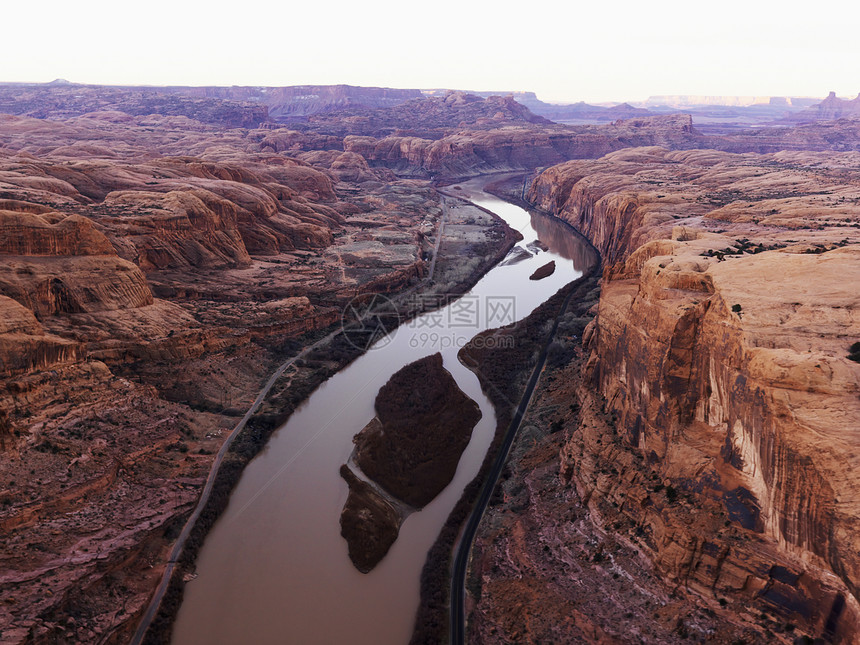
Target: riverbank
(701, 436)
(503, 368)
(468, 230)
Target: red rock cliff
(728, 304)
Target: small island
(543, 272)
(411, 449)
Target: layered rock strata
(719, 356)
(145, 297)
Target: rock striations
(718, 354)
(163, 250)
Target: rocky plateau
(707, 438)
(164, 250)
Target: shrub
(671, 494)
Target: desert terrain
(692, 464)
(688, 464)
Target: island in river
(410, 449)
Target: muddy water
(274, 568)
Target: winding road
(464, 546)
(155, 602)
(176, 552)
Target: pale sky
(563, 51)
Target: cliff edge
(717, 427)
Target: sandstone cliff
(154, 271)
(727, 308)
(517, 147)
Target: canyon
(146, 299)
(712, 417)
(690, 450)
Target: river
(274, 568)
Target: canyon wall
(517, 146)
(728, 304)
(154, 272)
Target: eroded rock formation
(146, 294)
(543, 271)
(717, 425)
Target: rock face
(720, 352)
(29, 233)
(518, 146)
(24, 345)
(61, 264)
(410, 450)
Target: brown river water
(274, 568)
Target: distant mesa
(697, 100)
(830, 109)
(300, 101)
(60, 99)
(235, 106)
